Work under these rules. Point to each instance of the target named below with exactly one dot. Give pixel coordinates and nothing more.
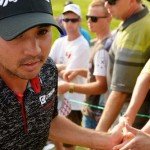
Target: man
(97, 16)
(128, 54)
(83, 31)
(28, 83)
(68, 51)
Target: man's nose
(33, 47)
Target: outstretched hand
(117, 134)
(140, 141)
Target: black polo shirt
(25, 119)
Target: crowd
(39, 80)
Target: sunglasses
(111, 2)
(73, 20)
(94, 18)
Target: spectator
(69, 51)
(128, 55)
(97, 15)
(83, 31)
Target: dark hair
(68, 2)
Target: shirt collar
(135, 17)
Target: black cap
(17, 16)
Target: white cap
(73, 8)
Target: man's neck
(135, 9)
(103, 35)
(15, 84)
(73, 36)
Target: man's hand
(127, 136)
(140, 141)
(70, 75)
(117, 134)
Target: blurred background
(58, 6)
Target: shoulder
(102, 53)
(49, 68)
(60, 40)
(83, 41)
(108, 42)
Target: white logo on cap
(48, 0)
(5, 2)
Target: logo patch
(5, 2)
(43, 99)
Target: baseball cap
(17, 16)
(73, 8)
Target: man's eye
(43, 32)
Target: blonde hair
(97, 46)
(99, 3)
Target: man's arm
(112, 108)
(97, 87)
(140, 91)
(146, 128)
(66, 131)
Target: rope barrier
(102, 108)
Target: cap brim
(13, 26)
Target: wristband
(71, 88)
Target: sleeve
(100, 63)
(127, 66)
(131, 50)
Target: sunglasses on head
(94, 18)
(73, 20)
(111, 2)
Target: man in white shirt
(71, 52)
(97, 85)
